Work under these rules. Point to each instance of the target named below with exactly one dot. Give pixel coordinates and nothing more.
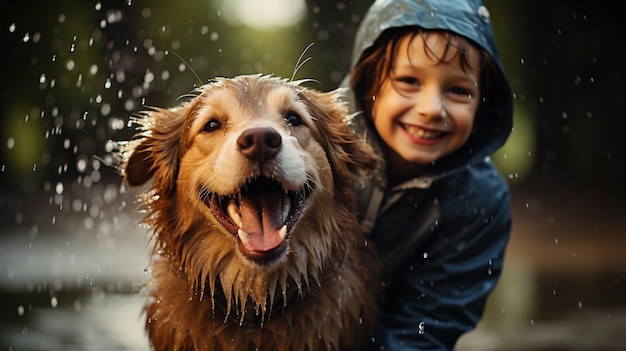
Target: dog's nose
(259, 143)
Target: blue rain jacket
(441, 236)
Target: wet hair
(376, 63)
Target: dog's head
(248, 157)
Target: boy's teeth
(422, 133)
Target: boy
(434, 103)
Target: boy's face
(425, 109)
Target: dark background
(74, 71)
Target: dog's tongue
(261, 214)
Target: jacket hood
(470, 19)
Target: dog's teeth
(233, 213)
(283, 232)
(286, 207)
(243, 236)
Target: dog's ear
(138, 169)
(347, 155)
(154, 154)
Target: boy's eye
(408, 80)
(461, 92)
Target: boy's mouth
(422, 133)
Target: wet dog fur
(247, 189)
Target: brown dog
(255, 244)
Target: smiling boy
(435, 103)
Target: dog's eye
(212, 126)
(293, 119)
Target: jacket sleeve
(442, 293)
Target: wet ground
(563, 288)
(72, 292)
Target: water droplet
(54, 302)
(59, 188)
(20, 310)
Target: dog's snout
(259, 143)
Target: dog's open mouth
(261, 215)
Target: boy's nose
(430, 103)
